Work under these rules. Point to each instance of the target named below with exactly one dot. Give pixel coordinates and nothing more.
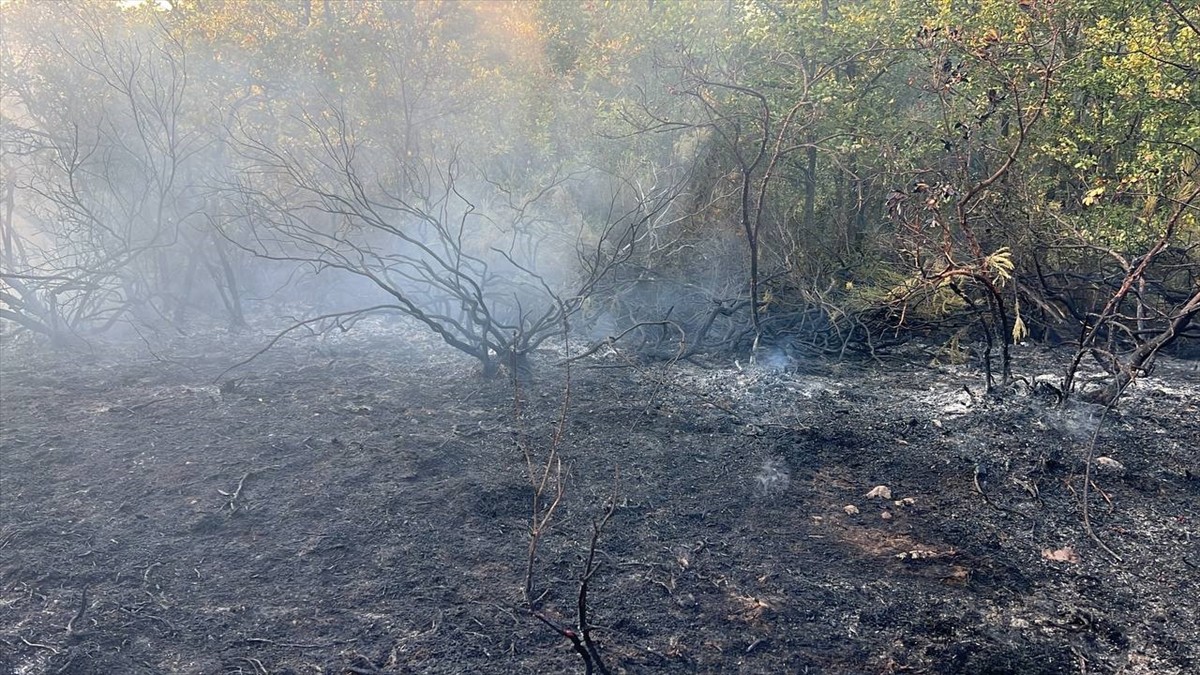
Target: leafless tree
(753, 145)
(104, 190)
(493, 269)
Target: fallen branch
(39, 645)
(297, 645)
(613, 339)
(303, 324)
(139, 406)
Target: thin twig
(83, 598)
(585, 626)
(550, 480)
(254, 663)
(1087, 480)
(301, 324)
(233, 497)
(40, 645)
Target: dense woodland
(691, 177)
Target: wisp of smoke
(774, 358)
(1076, 421)
(773, 477)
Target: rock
(880, 492)
(1110, 466)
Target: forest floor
(361, 505)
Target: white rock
(880, 492)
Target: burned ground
(360, 505)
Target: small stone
(886, 515)
(1065, 554)
(851, 510)
(1110, 465)
(880, 492)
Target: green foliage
(1126, 119)
(949, 140)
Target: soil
(360, 504)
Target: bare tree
(492, 269)
(757, 130)
(104, 185)
(754, 139)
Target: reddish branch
(580, 635)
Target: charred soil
(360, 505)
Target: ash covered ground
(360, 504)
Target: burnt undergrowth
(359, 503)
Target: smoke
(774, 358)
(773, 477)
(1075, 420)
(464, 161)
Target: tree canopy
(791, 172)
